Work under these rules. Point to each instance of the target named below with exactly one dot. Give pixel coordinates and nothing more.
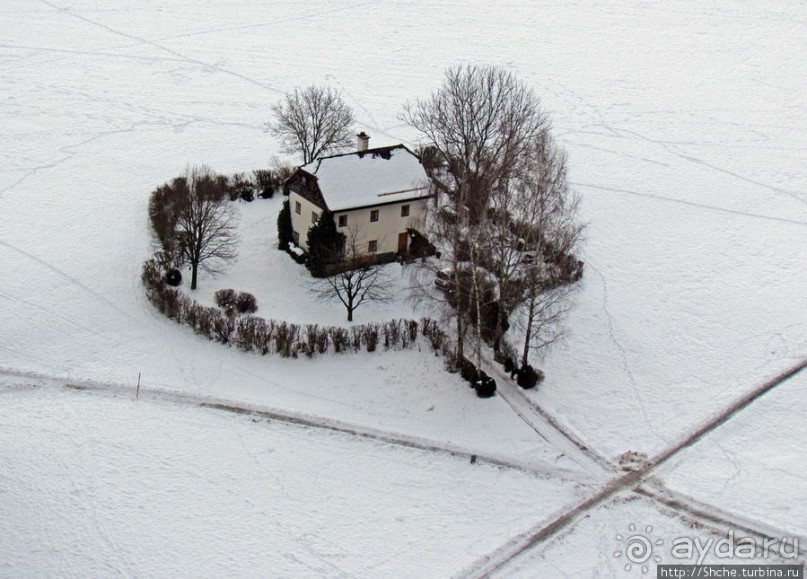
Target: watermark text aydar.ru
(686, 548)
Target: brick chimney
(362, 141)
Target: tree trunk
(194, 275)
(528, 336)
(460, 341)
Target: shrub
(340, 338)
(310, 332)
(468, 371)
(263, 335)
(222, 328)
(265, 181)
(326, 245)
(163, 211)
(485, 386)
(370, 337)
(206, 317)
(419, 246)
(355, 338)
(245, 303)
(241, 188)
(284, 229)
(173, 277)
(296, 253)
(225, 298)
(528, 377)
(322, 340)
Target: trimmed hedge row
(255, 334)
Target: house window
(314, 217)
(296, 237)
(372, 247)
(404, 210)
(297, 207)
(343, 221)
(374, 215)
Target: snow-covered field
(686, 131)
(172, 490)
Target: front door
(403, 242)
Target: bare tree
(312, 121)
(206, 222)
(480, 123)
(359, 279)
(553, 233)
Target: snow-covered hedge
(256, 334)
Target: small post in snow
(137, 392)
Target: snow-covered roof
(371, 177)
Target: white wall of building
(385, 231)
(359, 227)
(301, 222)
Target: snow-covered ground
(103, 486)
(685, 126)
(283, 287)
(598, 546)
(754, 464)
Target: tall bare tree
(359, 279)
(553, 234)
(480, 123)
(206, 222)
(312, 121)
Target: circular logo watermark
(637, 549)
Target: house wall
(385, 231)
(300, 223)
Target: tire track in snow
(688, 203)
(140, 40)
(73, 281)
(545, 426)
(710, 515)
(207, 66)
(793, 194)
(535, 467)
(596, 115)
(539, 534)
(609, 322)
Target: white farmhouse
(375, 195)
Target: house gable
(305, 185)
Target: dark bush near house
(528, 377)
(265, 180)
(297, 254)
(325, 244)
(245, 303)
(284, 229)
(485, 386)
(469, 372)
(225, 298)
(419, 246)
(241, 187)
(510, 365)
(173, 277)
